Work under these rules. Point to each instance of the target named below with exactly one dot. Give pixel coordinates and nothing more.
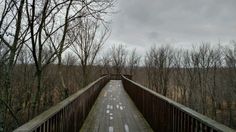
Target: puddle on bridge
(114, 111)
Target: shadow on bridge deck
(115, 111)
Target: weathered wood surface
(114, 111)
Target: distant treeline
(202, 78)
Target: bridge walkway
(114, 111)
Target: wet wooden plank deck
(114, 111)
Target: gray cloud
(142, 23)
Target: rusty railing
(165, 115)
(68, 115)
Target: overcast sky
(180, 23)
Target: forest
(50, 49)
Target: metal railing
(68, 115)
(165, 115)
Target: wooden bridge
(115, 103)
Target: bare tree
(161, 61)
(106, 63)
(11, 36)
(133, 62)
(41, 30)
(69, 59)
(87, 41)
(76, 10)
(45, 31)
(150, 69)
(119, 55)
(203, 59)
(42, 26)
(180, 78)
(230, 60)
(213, 90)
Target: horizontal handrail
(164, 114)
(114, 76)
(69, 114)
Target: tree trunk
(36, 99)
(229, 104)
(84, 74)
(63, 89)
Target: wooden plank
(114, 111)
